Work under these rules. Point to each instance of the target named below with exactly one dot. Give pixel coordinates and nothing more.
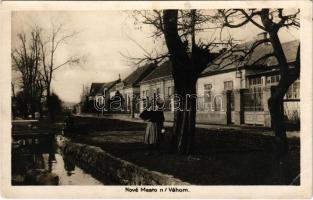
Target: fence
(253, 100)
(292, 111)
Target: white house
(159, 83)
(250, 83)
(229, 92)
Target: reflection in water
(69, 165)
(51, 159)
(70, 174)
(38, 161)
(34, 166)
(30, 166)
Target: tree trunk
(185, 70)
(184, 125)
(276, 109)
(49, 106)
(276, 102)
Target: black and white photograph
(165, 96)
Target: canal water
(37, 162)
(68, 172)
(26, 167)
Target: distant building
(96, 90)
(129, 87)
(99, 94)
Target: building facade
(235, 93)
(228, 91)
(158, 84)
(99, 96)
(239, 93)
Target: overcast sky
(102, 36)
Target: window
(228, 85)
(128, 101)
(168, 98)
(169, 91)
(296, 90)
(272, 80)
(253, 99)
(204, 103)
(207, 93)
(145, 98)
(293, 91)
(255, 81)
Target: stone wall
(118, 116)
(107, 166)
(209, 117)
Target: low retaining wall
(110, 167)
(203, 117)
(118, 116)
(211, 117)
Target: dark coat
(153, 116)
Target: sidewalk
(244, 128)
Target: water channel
(69, 173)
(46, 168)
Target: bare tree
(26, 60)
(189, 56)
(270, 21)
(49, 46)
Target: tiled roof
(136, 76)
(95, 88)
(109, 85)
(163, 70)
(289, 48)
(98, 88)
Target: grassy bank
(221, 157)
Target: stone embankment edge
(110, 167)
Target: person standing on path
(153, 135)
